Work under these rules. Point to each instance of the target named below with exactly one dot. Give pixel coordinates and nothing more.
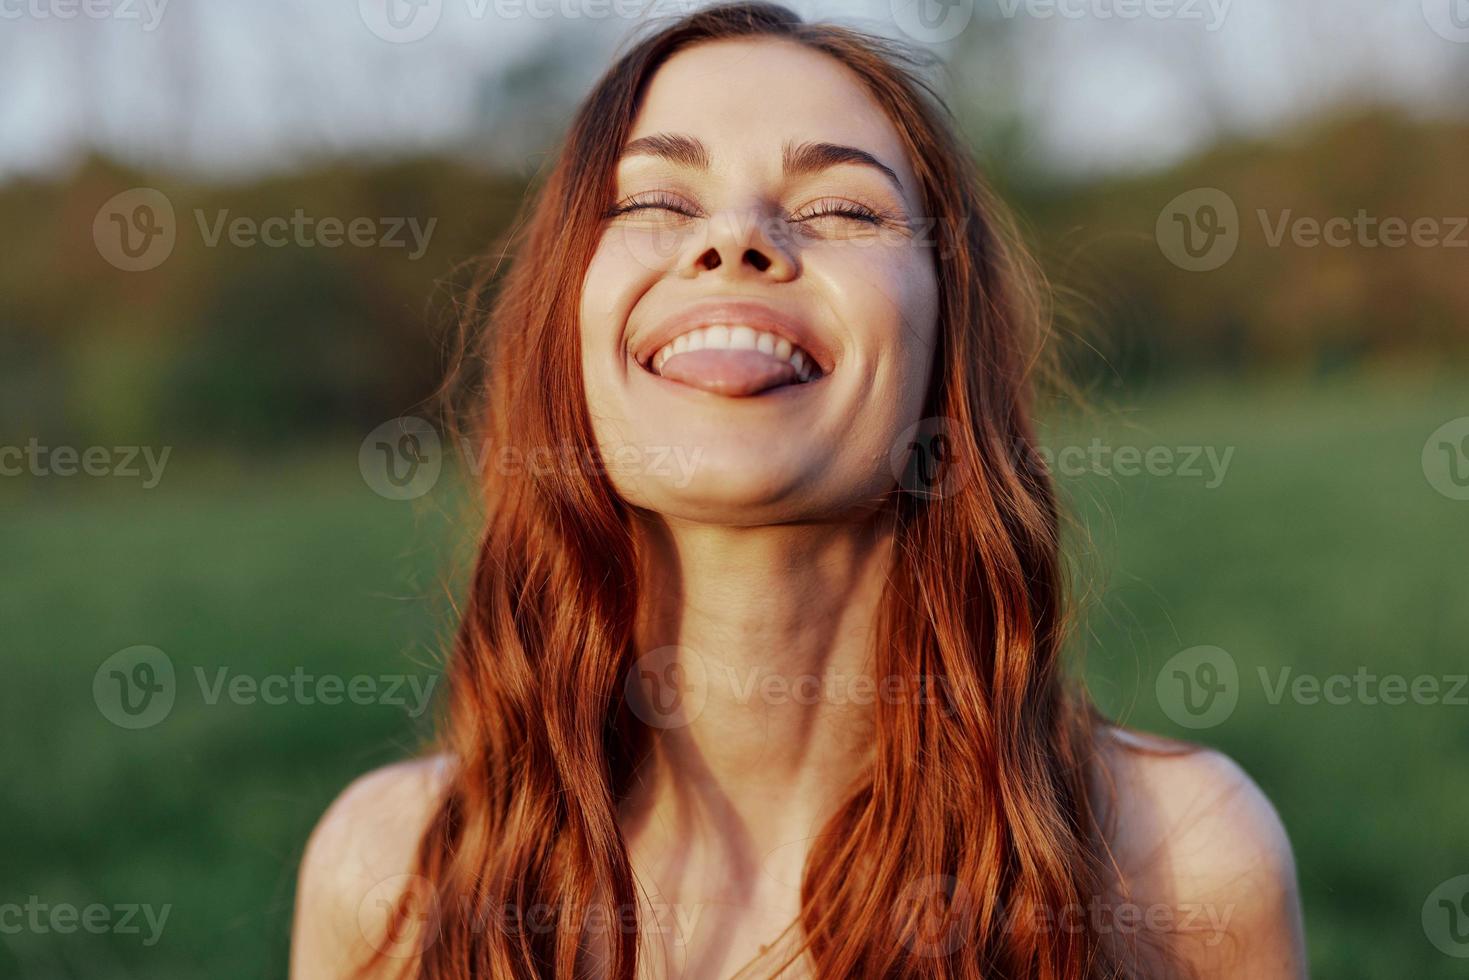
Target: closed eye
(839, 208)
(845, 209)
(656, 201)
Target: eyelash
(838, 207)
(658, 200)
(842, 208)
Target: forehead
(746, 98)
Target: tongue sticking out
(729, 372)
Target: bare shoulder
(1200, 849)
(357, 865)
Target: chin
(736, 486)
(733, 485)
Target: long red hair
(977, 808)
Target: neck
(771, 630)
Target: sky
(233, 88)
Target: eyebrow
(797, 159)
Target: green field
(1323, 548)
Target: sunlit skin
(769, 557)
(769, 560)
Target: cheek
(614, 281)
(887, 294)
(629, 258)
(611, 283)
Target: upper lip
(748, 313)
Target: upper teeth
(732, 336)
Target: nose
(743, 244)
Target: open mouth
(733, 359)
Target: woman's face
(759, 318)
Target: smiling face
(759, 317)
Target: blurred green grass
(1324, 548)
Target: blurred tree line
(249, 346)
(1295, 296)
(253, 346)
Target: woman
(759, 672)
